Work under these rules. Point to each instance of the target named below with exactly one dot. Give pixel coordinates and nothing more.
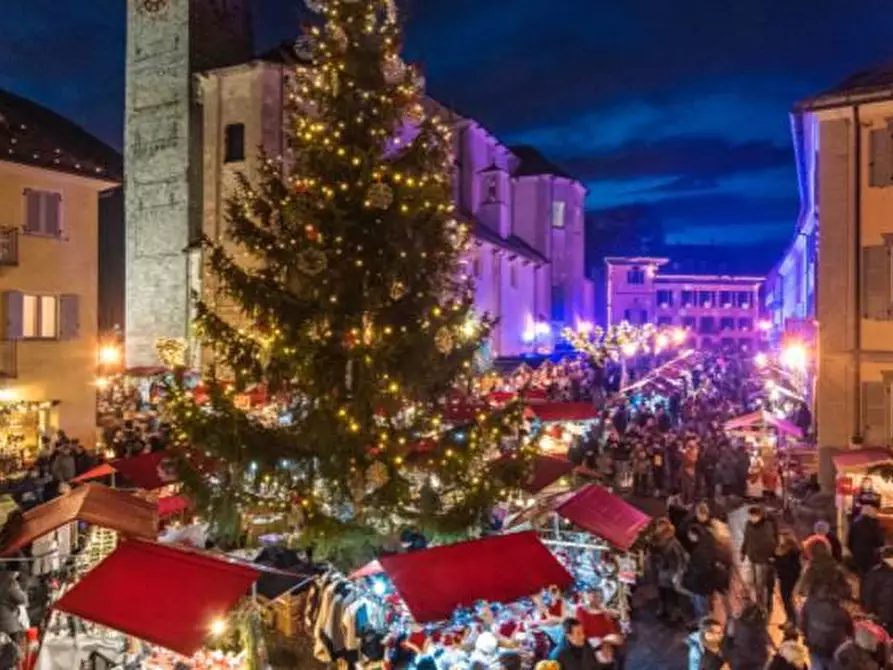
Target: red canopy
(147, 471)
(563, 411)
(91, 503)
(172, 505)
(165, 595)
(434, 582)
(546, 471)
(104, 470)
(600, 512)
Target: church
(201, 102)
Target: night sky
(673, 112)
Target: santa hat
(811, 542)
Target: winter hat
(811, 543)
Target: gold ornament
(171, 351)
(444, 340)
(320, 329)
(398, 290)
(415, 114)
(393, 69)
(312, 261)
(380, 196)
(377, 475)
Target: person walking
(701, 575)
(877, 591)
(865, 539)
(826, 625)
(749, 643)
(758, 547)
(574, 651)
(788, 569)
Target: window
(665, 321)
(705, 298)
(636, 317)
(726, 298)
(635, 276)
(39, 316)
(492, 190)
(688, 322)
(558, 214)
(727, 323)
(880, 158)
(234, 140)
(707, 325)
(476, 266)
(688, 298)
(745, 324)
(664, 298)
(43, 213)
(744, 299)
(513, 275)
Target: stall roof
(563, 411)
(434, 582)
(160, 594)
(146, 471)
(601, 513)
(546, 471)
(92, 503)
(104, 470)
(760, 416)
(860, 459)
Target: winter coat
(788, 568)
(700, 658)
(865, 541)
(570, 657)
(750, 642)
(11, 597)
(669, 563)
(877, 595)
(760, 540)
(63, 469)
(825, 625)
(790, 656)
(701, 575)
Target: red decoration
(844, 486)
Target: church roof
(34, 135)
(532, 162)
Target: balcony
(9, 246)
(9, 368)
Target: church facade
(199, 107)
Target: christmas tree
(341, 287)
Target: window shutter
(13, 302)
(52, 214)
(874, 413)
(876, 283)
(69, 317)
(881, 160)
(32, 211)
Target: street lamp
(109, 354)
(795, 357)
(680, 335)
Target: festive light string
(341, 286)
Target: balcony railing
(9, 364)
(9, 246)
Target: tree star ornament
(380, 196)
(444, 340)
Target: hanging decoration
(415, 115)
(377, 475)
(380, 196)
(398, 290)
(311, 261)
(171, 351)
(393, 69)
(304, 47)
(444, 340)
(338, 37)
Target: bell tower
(168, 42)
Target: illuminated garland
(622, 340)
(341, 287)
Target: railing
(9, 246)
(9, 364)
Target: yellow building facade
(845, 159)
(51, 175)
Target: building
(843, 276)
(718, 310)
(196, 113)
(52, 175)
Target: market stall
(560, 424)
(861, 470)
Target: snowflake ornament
(312, 262)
